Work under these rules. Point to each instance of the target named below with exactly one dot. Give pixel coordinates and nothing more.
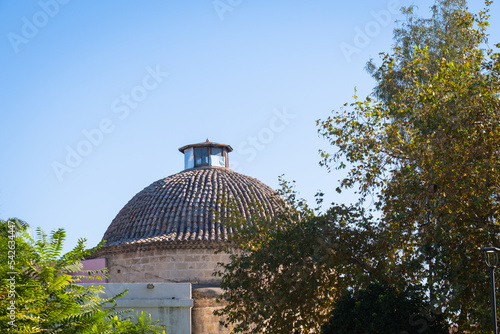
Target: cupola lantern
(207, 154)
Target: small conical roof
(206, 143)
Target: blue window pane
(201, 156)
(197, 156)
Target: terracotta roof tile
(182, 207)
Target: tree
(443, 35)
(426, 147)
(380, 309)
(286, 272)
(39, 294)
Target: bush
(39, 294)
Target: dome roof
(182, 207)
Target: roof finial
(208, 140)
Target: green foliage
(379, 309)
(445, 35)
(142, 324)
(284, 272)
(39, 294)
(426, 146)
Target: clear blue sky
(124, 84)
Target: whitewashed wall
(170, 303)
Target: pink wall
(93, 264)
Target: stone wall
(164, 264)
(193, 265)
(203, 319)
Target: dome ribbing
(182, 207)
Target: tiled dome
(182, 208)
